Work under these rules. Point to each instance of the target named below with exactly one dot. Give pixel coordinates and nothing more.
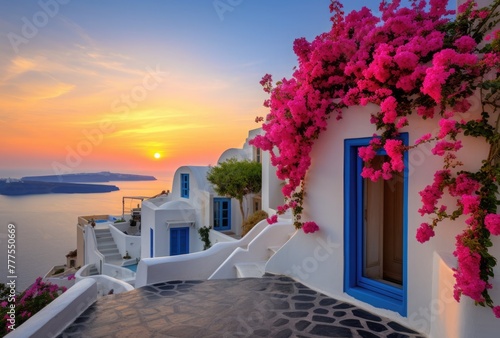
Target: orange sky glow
(105, 86)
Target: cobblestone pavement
(272, 306)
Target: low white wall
(123, 226)
(447, 317)
(126, 243)
(118, 272)
(218, 237)
(83, 272)
(55, 317)
(92, 254)
(258, 249)
(198, 265)
(61, 279)
(107, 285)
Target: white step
(109, 251)
(252, 269)
(93, 271)
(106, 245)
(113, 257)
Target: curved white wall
(126, 243)
(198, 265)
(55, 317)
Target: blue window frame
(185, 185)
(179, 241)
(362, 238)
(222, 213)
(151, 241)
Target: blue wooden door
(179, 241)
(222, 213)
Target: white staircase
(256, 269)
(93, 271)
(251, 269)
(251, 261)
(107, 246)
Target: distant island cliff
(20, 188)
(66, 184)
(103, 176)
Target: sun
(157, 155)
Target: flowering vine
(410, 61)
(26, 304)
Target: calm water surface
(46, 225)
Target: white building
(409, 281)
(170, 224)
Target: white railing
(106, 283)
(92, 254)
(219, 237)
(126, 243)
(258, 249)
(55, 317)
(197, 265)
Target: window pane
(383, 227)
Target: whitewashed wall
(318, 259)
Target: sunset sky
(104, 85)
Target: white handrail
(96, 251)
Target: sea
(45, 226)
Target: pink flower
(366, 153)
(465, 44)
(470, 203)
(273, 219)
(492, 223)
(496, 311)
(441, 147)
(267, 83)
(465, 6)
(468, 272)
(394, 149)
(448, 126)
(464, 186)
(406, 60)
(423, 138)
(402, 122)
(3, 304)
(388, 107)
(424, 233)
(310, 227)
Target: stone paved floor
(272, 306)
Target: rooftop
(272, 306)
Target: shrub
(29, 302)
(253, 219)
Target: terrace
(272, 306)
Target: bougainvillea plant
(421, 61)
(26, 304)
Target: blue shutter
(179, 241)
(151, 241)
(222, 213)
(185, 185)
